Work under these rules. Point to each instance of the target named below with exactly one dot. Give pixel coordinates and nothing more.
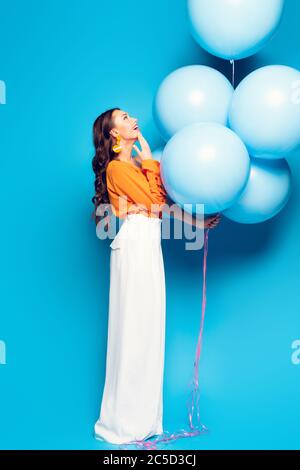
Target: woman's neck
(125, 154)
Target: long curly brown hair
(103, 142)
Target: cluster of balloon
(226, 148)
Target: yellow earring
(117, 147)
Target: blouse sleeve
(151, 169)
(134, 187)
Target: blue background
(63, 64)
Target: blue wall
(64, 63)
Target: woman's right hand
(212, 221)
(145, 153)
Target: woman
(131, 407)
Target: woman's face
(124, 125)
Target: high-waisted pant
(132, 401)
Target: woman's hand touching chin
(145, 153)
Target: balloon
(265, 111)
(191, 94)
(157, 153)
(234, 29)
(267, 191)
(205, 163)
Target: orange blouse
(134, 190)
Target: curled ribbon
(193, 400)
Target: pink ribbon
(193, 400)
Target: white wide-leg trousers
(132, 401)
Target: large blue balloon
(265, 111)
(205, 163)
(157, 153)
(234, 29)
(191, 94)
(267, 192)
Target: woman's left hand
(212, 221)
